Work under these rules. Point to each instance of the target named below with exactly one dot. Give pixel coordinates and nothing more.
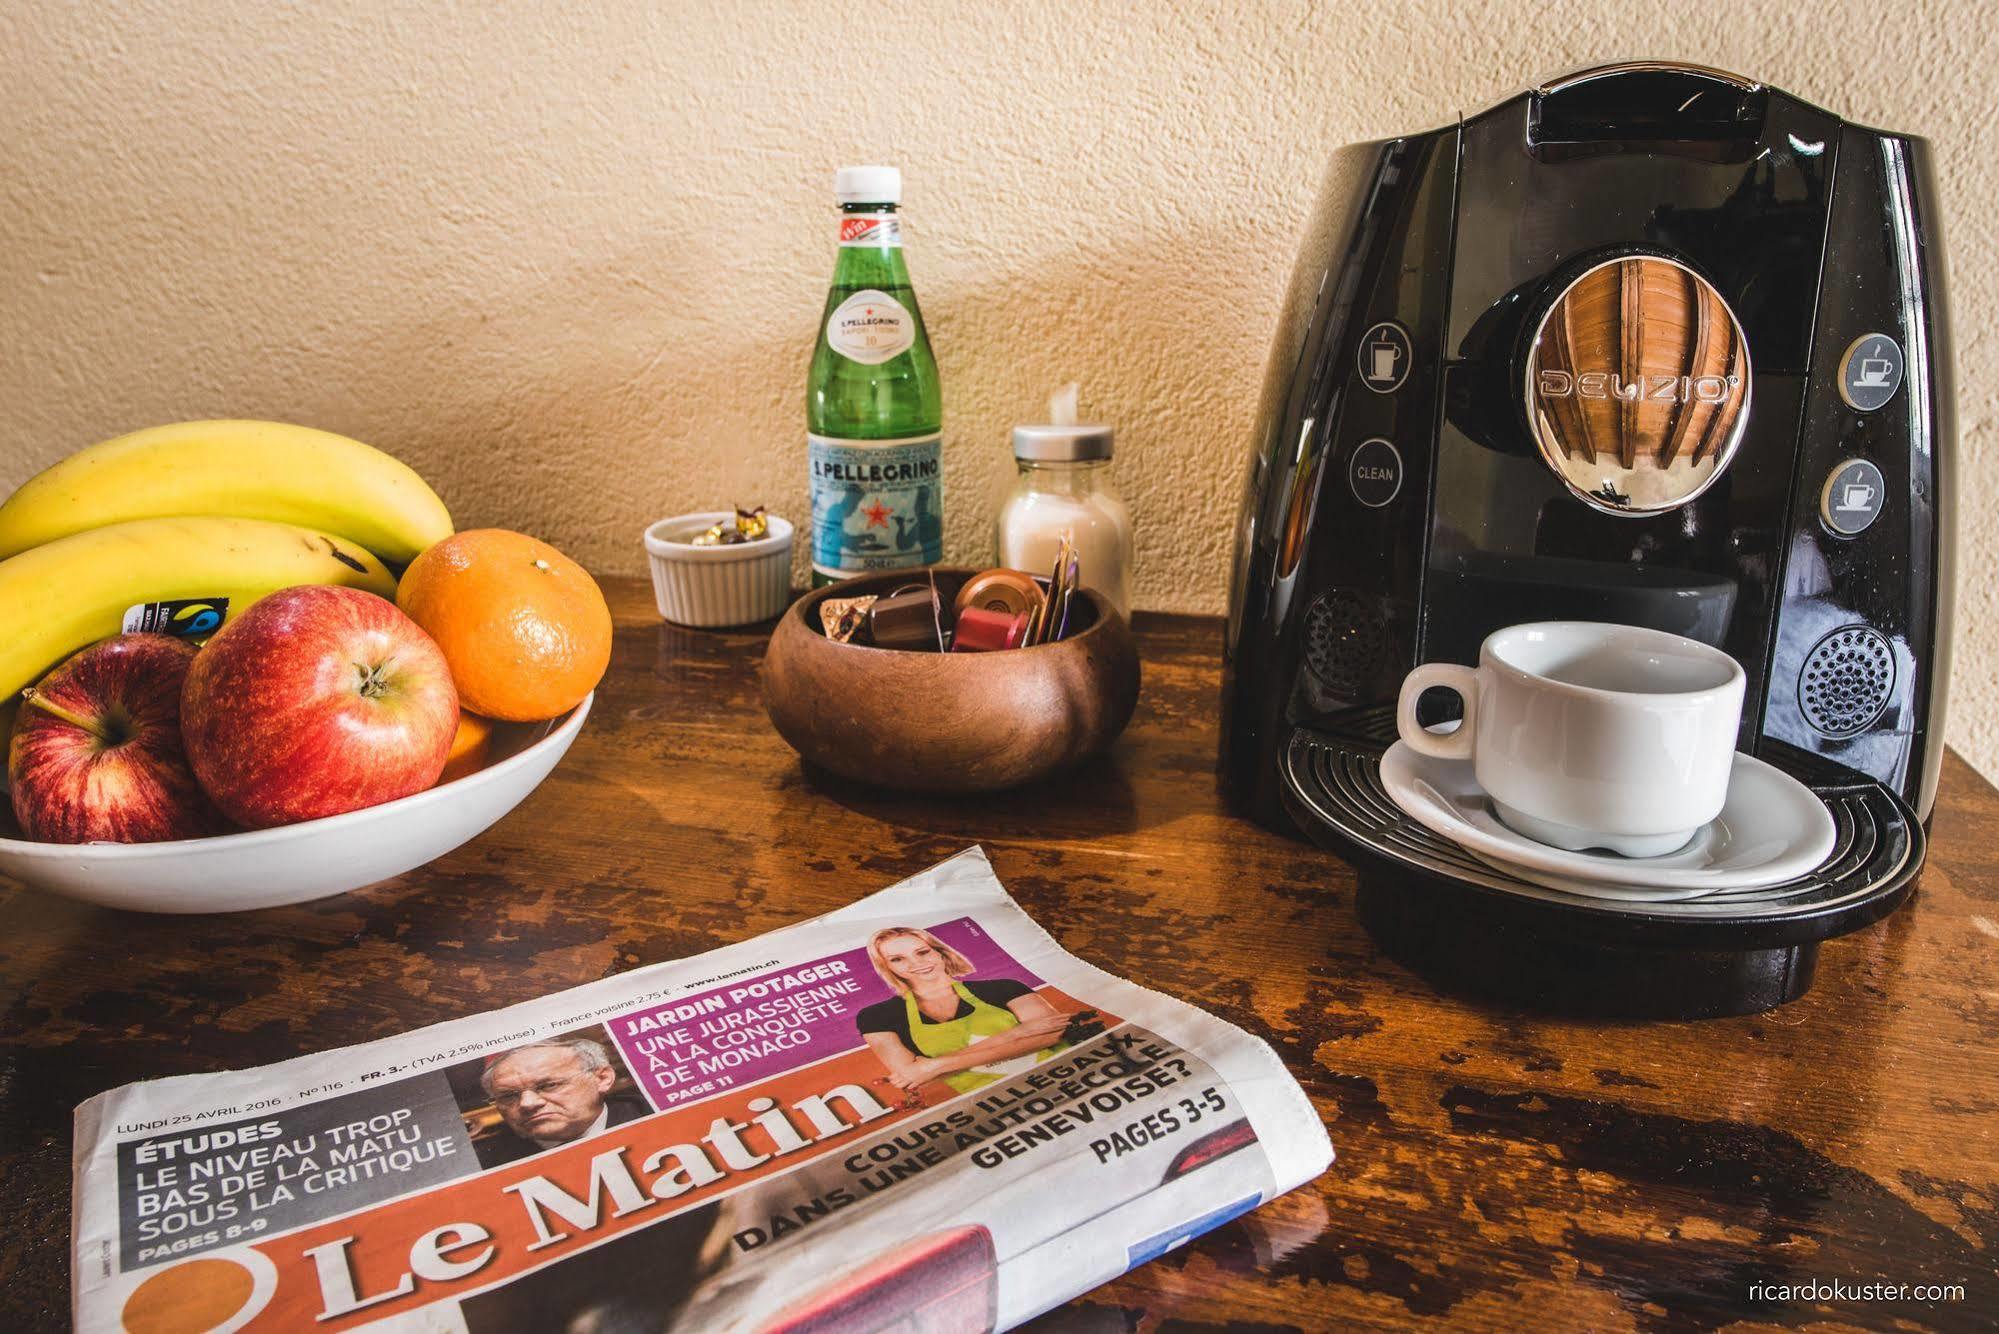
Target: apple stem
(40, 701)
(372, 684)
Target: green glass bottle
(873, 409)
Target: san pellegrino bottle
(874, 410)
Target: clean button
(1375, 473)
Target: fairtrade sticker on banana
(240, 469)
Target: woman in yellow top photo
(939, 1025)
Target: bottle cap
(1061, 444)
(868, 185)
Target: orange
(468, 746)
(525, 628)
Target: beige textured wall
(568, 260)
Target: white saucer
(1596, 889)
(1772, 829)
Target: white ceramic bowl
(265, 868)
(737, 584)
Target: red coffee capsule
(982, 631)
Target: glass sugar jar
(1064, 485)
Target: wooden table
(1496, 1169)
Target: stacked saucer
(1772, 829)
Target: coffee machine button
(1383, 359)
(1375, 472)
(1853, 497)
(1871, 372)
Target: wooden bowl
(948, 722)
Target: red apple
(96, 753)
(316, 701)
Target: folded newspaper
(916, 1112)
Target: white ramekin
(736, 584)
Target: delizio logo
(1646, 388)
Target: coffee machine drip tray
(1470, 928)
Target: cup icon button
(1870, 372)
(1853, 497)
(1384, 357)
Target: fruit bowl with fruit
(267, 868)
(225, 697)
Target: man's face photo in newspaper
(546, 1093)
(542, 1095)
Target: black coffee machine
(1650, 343)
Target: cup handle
(1446, 745)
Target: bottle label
(870, 327)
(871, 229)
(876, 504)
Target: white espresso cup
(1591, 735)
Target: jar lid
(1061, 444)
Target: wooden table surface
(1496, 1169)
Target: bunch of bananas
(181, 527)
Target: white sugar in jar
(1064, 486)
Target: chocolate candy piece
(1001, 590)
(749, 525)
(981, 630)
(912, 617)
(844, 618)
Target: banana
(76, 590)
(245, 469)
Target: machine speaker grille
(1846, 681)
(1346, 642)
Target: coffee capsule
(981, 630)
(912, 617)
(1010, 591)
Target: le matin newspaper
(794, 1133)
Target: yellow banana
(245, 469)
(79, 589)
